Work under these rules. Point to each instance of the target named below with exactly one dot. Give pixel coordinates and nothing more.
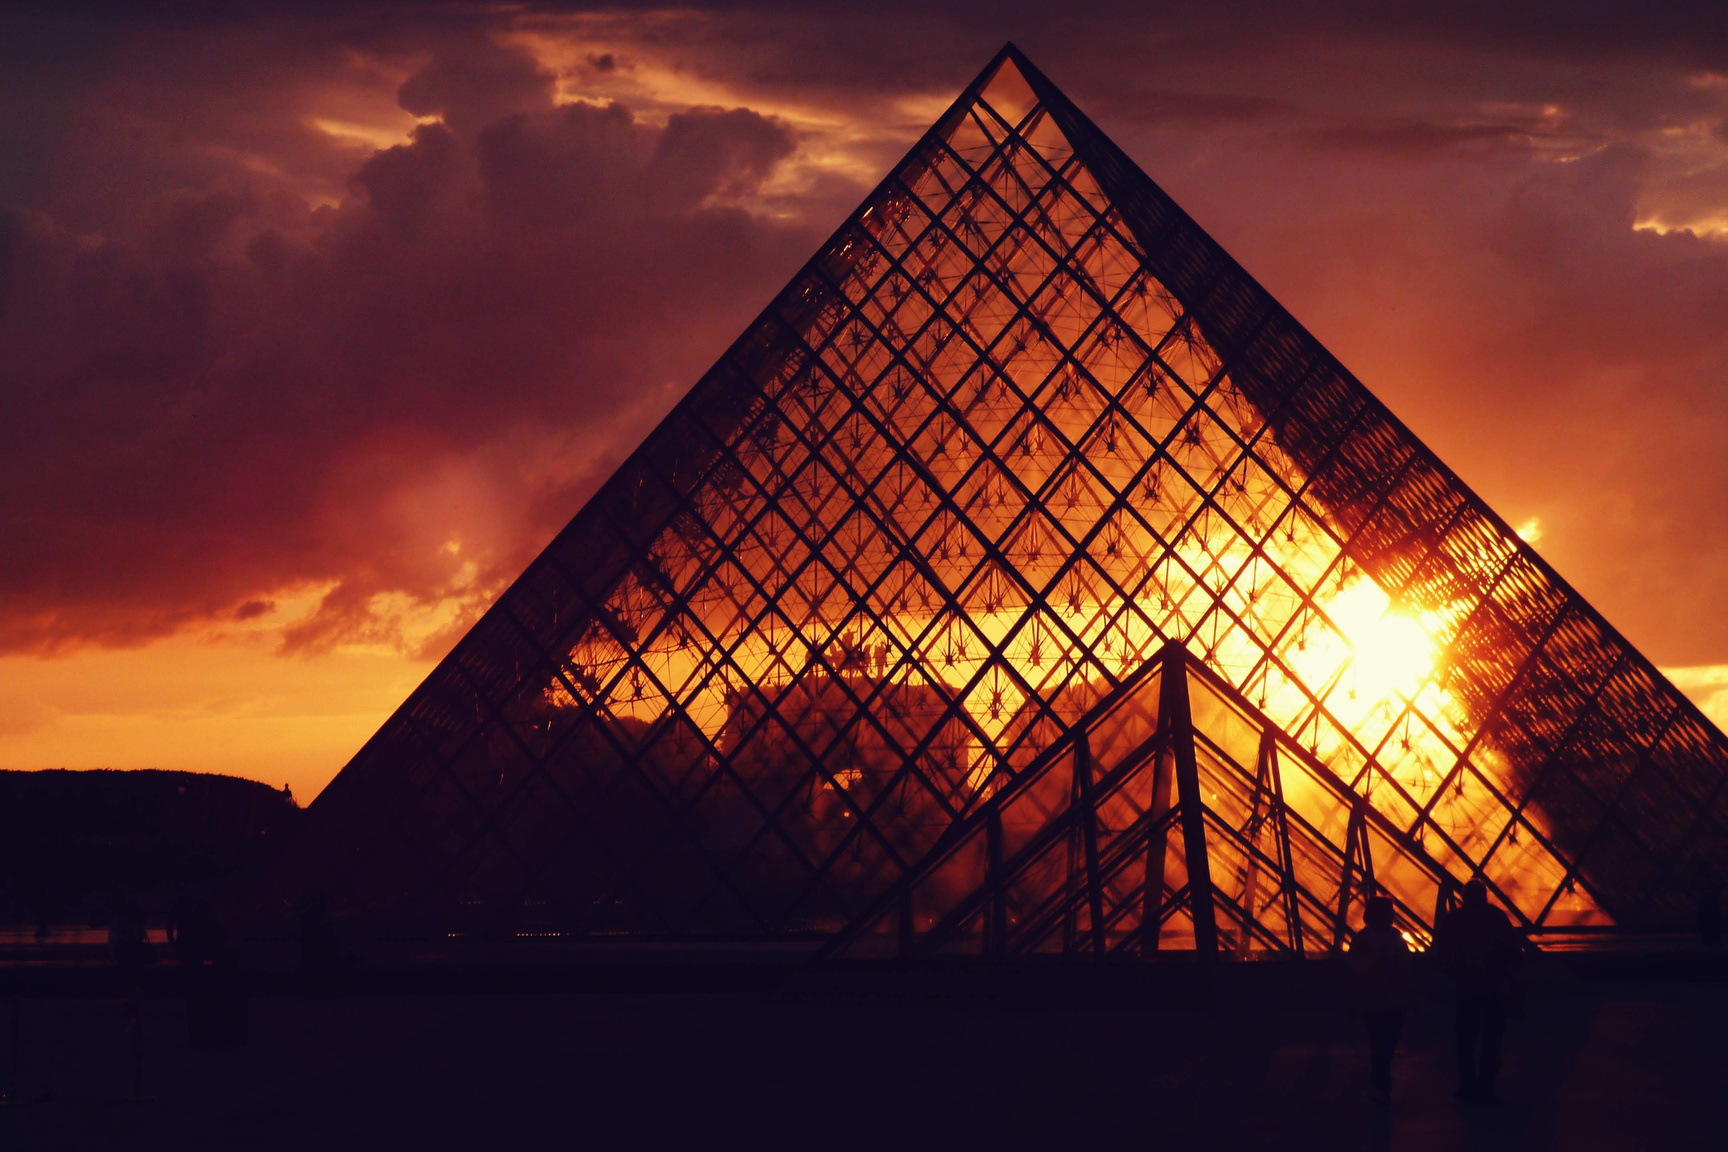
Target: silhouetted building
(1024, 579)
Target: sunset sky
(318, 320)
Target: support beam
(1286, 858)
(996, 929)
(1089, 840)
(1365, 855)
(1177, 722)
(1357, 859)
(1072, 877)
(1259, 815)
(1445, 899)
(1157, 847)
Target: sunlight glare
(1391, 650)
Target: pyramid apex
(1003, 83)
(1010, 52)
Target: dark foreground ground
(976, 1059)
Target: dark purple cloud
(244, 392)
(473, 83)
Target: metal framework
(854, 637)
(1075, 854)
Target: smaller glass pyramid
(1174, 815)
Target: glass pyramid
(928, 528)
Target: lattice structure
(1250, 843)
(1019, 425)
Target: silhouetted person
(45, 909)
(128, 944)
(320, 955)
(1479, 949)
(1379, 962)
(227, 992)
(195, 932)
(209, 969)
(217, 1010)
(1710, 912)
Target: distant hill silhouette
(70, 840)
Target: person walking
(195, 933)
(1479, 949)
(128, 944)
(1379, 963)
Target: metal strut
(1178, 724)
(1357, 859)
(1089, 840)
